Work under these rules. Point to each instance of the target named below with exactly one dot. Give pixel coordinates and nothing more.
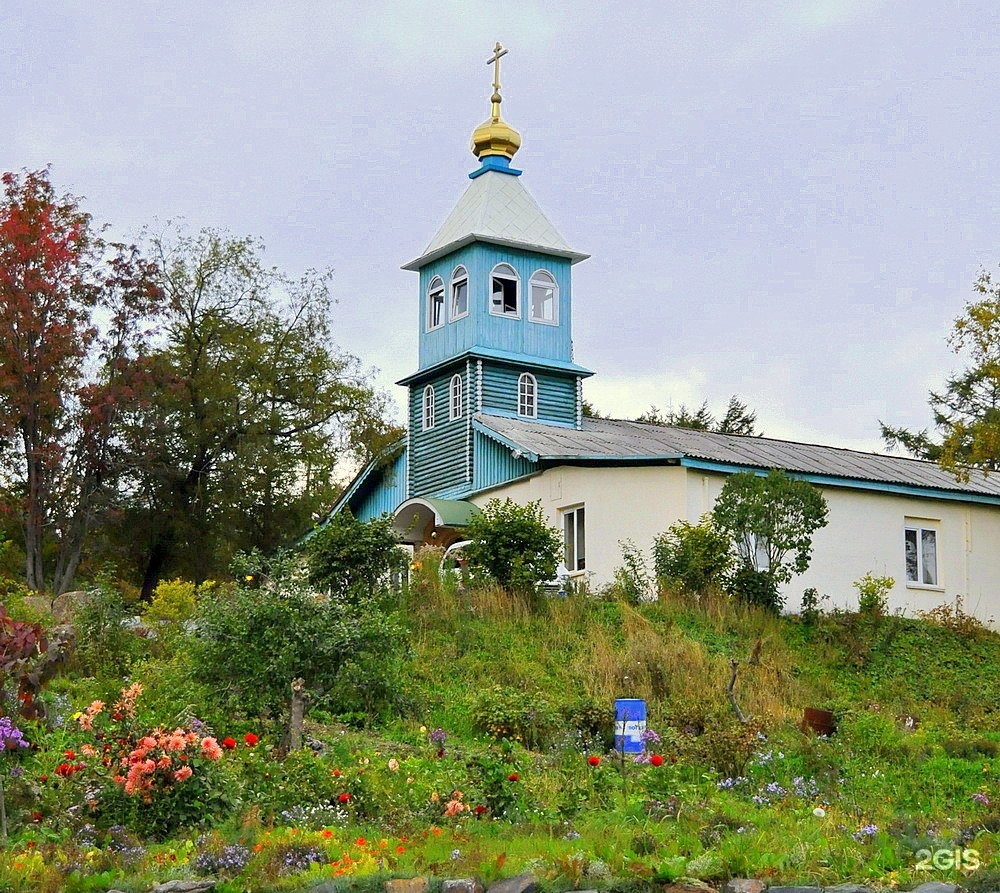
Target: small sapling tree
(513, 545)
(771, 521)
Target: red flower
(251, 739)
(344, 798)
(43, 778)
(336, 773)
(64, 770)
(229, 743)
(594, 760)
(70, 755)
(513, 777)
(480, 810)
(656, 760)
(36, 816)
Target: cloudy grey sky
(788, 200)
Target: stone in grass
(937, 887)
(461, 885)
(523, 883)
(794, 890)
(406, 885)
(849, 888)
(200, 886)
(745, 885)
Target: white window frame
(436, 287)
(459, 276)
(919, 529)
(543, 279)
(428, 407)
(508, 273)
(455, 397)
(574, 522)
(527, 396)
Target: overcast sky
(785, 200)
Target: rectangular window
(574, 539)
(920, 544)
(435, 309)
(543, 302)
(459, 298)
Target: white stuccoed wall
(864, 533)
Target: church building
(496, 411)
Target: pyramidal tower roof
(496, 208)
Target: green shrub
(173, 602)
(632, 581)
(513, 545)
(757, 588)
(351, 558)
(811, 609)
(105, 644)
(873, 594)
(691, 556)
(253, 642)
(516, 715)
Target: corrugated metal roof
(610, 439)
(496, 208)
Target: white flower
(393, 764)
(819, 812)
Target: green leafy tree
(254, 640)
(351, 558)
(771, 521)
(256, 404)
(693, 556)
(967, 412)
(513, 545)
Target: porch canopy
(427, 521)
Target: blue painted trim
(850, 483)
(508, 414)
(504, 441)
(390, 452)
(486, 353)
(497, 163)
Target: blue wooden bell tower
(495, 318)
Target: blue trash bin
(630, 723)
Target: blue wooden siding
(556, 394)
(480, 328)
(439, 457)
(494, 464)
(386, 492)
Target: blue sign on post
(630, 723)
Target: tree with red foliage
(74, 314)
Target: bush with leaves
(254, 640)
(756, 588)
(770, 520)
(106, 645)
(692, 556)
(873, 594)
(513, 545)
(351, 558)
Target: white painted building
(496, 410)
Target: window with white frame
(435, 303)
(544, 298)
(527, 395)
(504, 287)
(455, 397)
(920, 549)
(428, 407)
(459, 293)
(574, 539)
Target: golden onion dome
(495, 136)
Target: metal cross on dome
(494, 60)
